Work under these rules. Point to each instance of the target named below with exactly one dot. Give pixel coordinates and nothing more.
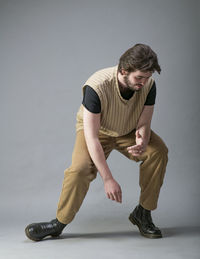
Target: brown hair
(139, 57)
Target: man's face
(136, 80)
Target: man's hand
(140, 146)
(113, 190)
(143, 131)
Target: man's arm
(143, 131)
(91, 123)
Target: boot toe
(142, 219)
(152, 231)
(37, 231)
(33, 232)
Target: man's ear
(124, 72)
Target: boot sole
(135, 222)
(39, 239)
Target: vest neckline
(116, 83)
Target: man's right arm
(91, 122)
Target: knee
(81, 170)
(162, 151)
(159, 149)
(158, 146)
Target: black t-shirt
(92, 102)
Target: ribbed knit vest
(118, 116)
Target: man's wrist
(145, 135)
(106, 178)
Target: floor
(92, 241)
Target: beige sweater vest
(118, 116)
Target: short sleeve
(91, 100)
(151, 97)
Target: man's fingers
(112, 196)
(136, 150)
(120, 197)
(136, 153)
(135, 147)
(115, 196)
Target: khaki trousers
(82, 171)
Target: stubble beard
(129, 85)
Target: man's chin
(138, 88)
(134, 88)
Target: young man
(116, 113)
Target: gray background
(48, 49)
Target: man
(116, 113)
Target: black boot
(37, 231)
(142, 218)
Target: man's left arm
(143, 131)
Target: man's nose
(143, 81)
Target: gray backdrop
(48, 49)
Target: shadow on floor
(167, 233)
(181, 231)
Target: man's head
(136, 65)
(139, 57)
(136, 80)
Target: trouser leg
(152, 167)
(152, 171)
(77, 178)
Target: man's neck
(121, 82)
(122, 85)
(125, 92)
